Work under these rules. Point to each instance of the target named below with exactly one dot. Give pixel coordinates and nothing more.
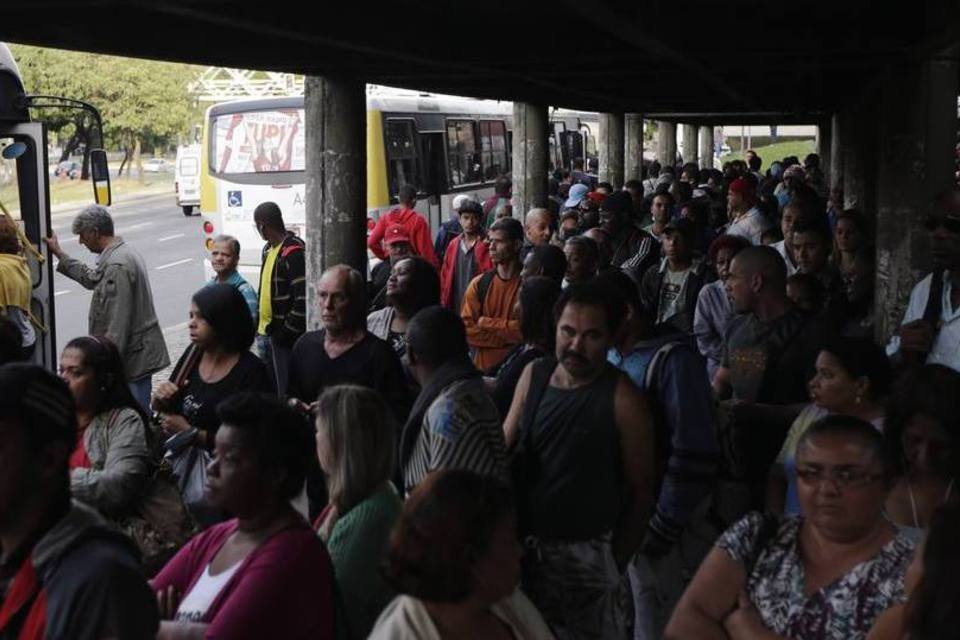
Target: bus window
(462, 156)
(401, 145)
(9, 185)
(493, 145)
(258, 142)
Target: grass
(778, 151)
(66, 191)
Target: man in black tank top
(582, 436)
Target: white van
(187, 178)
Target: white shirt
(782, 250)
(946, 347)
(195, 606)
(406, 618)
(751, 225)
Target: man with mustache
(583, 442)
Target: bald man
(769, 346)
(343, 351)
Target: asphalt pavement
(172, 248)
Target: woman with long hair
(356, 446)
(111, 462)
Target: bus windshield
(257, 142)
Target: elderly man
(122, 305)
(224, 257)
(343, 351)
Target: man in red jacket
(467, 256)
(415, 225)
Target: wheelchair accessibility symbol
(234, 199)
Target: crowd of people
(654, 412)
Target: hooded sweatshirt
(80, 581)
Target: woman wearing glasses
(827, 574)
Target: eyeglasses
(841, 478)
(934, 222)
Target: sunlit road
(171, 245)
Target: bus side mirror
(100, 173)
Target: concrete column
(824, 142)
(689, 134)
(667, 143)
(706, 147)
(611, 148)
(918, 117)
(529, 157)
(835, 175)
(633, 146)
(336, 215)
(860, 130)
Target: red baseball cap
(396, 233)
(741, 185)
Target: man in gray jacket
(122, 304)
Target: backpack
(483, 286)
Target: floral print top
(843, 610)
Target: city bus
(253, 151)
(25, 194)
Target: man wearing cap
(489, 302)
(467, 257)
(418, 231)
(633, 248)
(746, 218)
(672, 286)
(576, 195)
(64, 572)
(397, 242)
(930, 331)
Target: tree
(138, 99)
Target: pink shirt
(283, 589)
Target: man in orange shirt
(415, 225)
(488, 305)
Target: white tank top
(195, 605)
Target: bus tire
(187, 210)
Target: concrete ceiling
(694, 60)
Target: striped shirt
(461, 430)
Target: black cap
(40, 399)
(618, 202)
(684, 226)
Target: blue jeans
(141, 389)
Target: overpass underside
(879, 79)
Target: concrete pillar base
(688, 133)
(706, 147)
(633, 147)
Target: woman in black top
(216, 365)
(538, 295)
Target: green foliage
(778, 151)
(142, 100)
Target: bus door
(432, 174)
(23, 192)
(571, 147)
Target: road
(172, 247)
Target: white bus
(253, 151)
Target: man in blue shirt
(224, 258)
(664, 365)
